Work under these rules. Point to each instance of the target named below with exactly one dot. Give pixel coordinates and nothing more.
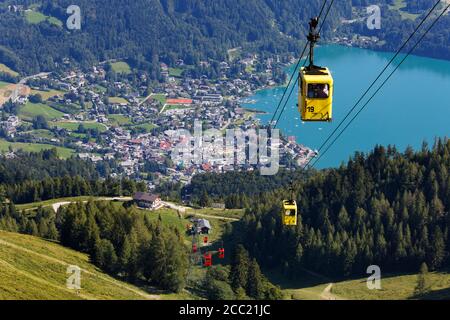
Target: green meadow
(121, 67)
(31, 110)
(64, 153)
(35, 17)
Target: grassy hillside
(121, 67)
(63, 153)
(311, 286)
(32, 268)
(48, 94)
(35, 17)
(6, 69)
(40, 263)
(73, 126)
(31, 110)
(395, 287)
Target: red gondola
(208, 260)
(221, 253)
(194, 248)
(205, 240)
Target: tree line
(234, 189)
(125, 242)
(32, 177)
(25, 166)
(241, 280)
(68, 186)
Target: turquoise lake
(414, 106)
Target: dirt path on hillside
(116, 283)
(146, 98)
(12, 91)
(57, 205)
(327, 295)
(212, 217)
(174, 206)
(183, 209)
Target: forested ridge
(395, 28)
(385, 208)
(145, 31)
(33, 177)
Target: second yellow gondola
(290, 212)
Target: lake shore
(384, 120)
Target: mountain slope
(32, 268)
(145, 31)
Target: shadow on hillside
(304, 279)
(442, 294)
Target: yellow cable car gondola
(315, 85)
(289, 212)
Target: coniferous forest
(146, 32)
(33, 177)
(385, 208)
(122, 242)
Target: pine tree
(92, 233)
(219, 290)
(174, 276)
(133, 261)
(343, 219)
(205, 200)
(125, 255)
(3, 194)
(255, 287)
(154, 264)
(240, 294)
(216, 284)
(422, 286)
(239, 268)
(32, 228)
(52, 232)
(437, 249)
(105, 256)
(43, 228)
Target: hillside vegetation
(144, 31)
(33, 268)
(383, 208)
(311, 286)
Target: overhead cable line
(379, 76)
(382, 85)
(298, 64)
(295, 71)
